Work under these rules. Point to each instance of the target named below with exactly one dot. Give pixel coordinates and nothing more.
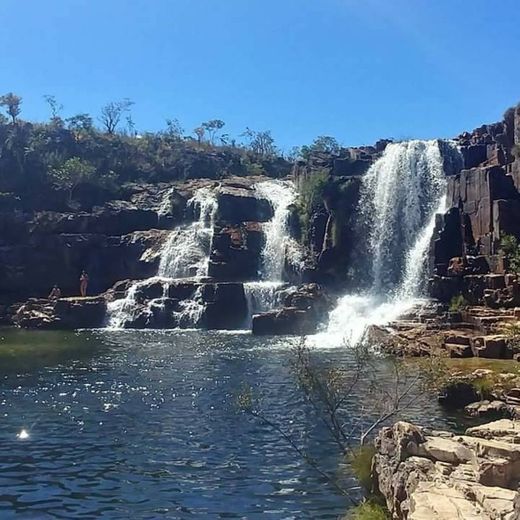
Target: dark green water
(144, 424)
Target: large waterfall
(185, 254)
(401, 193)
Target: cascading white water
(262, 296)
(165, 205)
(184, 254)
(400, 196)
(279, 247)
(280, 194)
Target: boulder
(444, 288)
(304, 309)
(289, 320)
(491, 347)
(487, 409)
(458, 394)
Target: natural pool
(144, 424)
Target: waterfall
(279, 247)
(278, 242)
(400, 195)
(185, 254)
(261, 296)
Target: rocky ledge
(163, 303)
(65, 313)
(425, 475)
(475, 331)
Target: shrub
(512, 333)
(511, 249)
(71, 173)
(361, 463)
(369, 510)
(311, 196)
(458, 303)
(483, 386)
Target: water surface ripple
(144, 425)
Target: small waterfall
(280, 194)
(262, 296)
(191, 310)
(279, 247)
(165, 205)
(124, 310)
(400, 196)
(185, 254)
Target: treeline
(107, 151)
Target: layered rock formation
(484, 206)
(425, 475)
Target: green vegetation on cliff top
(102, 153)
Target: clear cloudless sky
(359, 70)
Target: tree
(199, 132)
(294, 153)
(80, 123)
(174, 128)
(261, 143)
(11, 102)
(112, 113)
(71, 173)
(212, 127)
(387, 389)
(55, 107)
(322, 143)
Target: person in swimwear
(83, 283)
(55, 293)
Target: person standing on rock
(83, 283)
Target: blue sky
(356, 69)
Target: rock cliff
(483, 208)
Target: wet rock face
(425, 475)
(236, 252)
(238, 204)
(167, 304)
(225, 306)
(120, 218)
